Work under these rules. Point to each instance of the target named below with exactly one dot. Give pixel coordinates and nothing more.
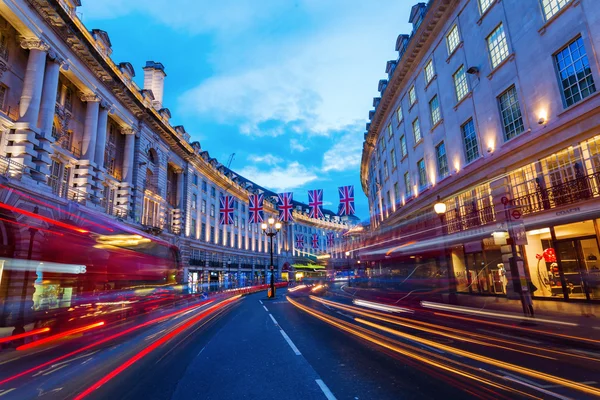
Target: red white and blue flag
(226, 210)
(346, 200)
(299, 241)
(285, 206)
(315, 202)
(315, 240)
(255, 209)
(330, 239)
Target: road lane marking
(510, 336)
(266, 309)
(325, 389)
(3, 392)
(289, 341)
(200, 352)
(535, 387)
(273, 318)
(260, 301)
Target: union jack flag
(315, 240)
(226, 210)
(256, 209)
(284, 204)
(346, 200)
(299, 241)
(330, 239)
(315, 202)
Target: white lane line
(289, 341)
(200, 352)
(7, 391)
(325, 389)
(510, 336)
(588, 353)
(539, 389)
(273, 318)
(266, 309)
(260, 301)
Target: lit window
(417, 130)
(407, 189)
(390, 132)
(393, 158)
(396, 192)
(452, 40)
(460, 83)
(512, 120)
(574, 73)
(399, 114)
(203, 205)
(442, 160)
(194, 201)
(470, 141)
(412, 96)
(484, 5)
(403, 146)
(212, 210)
(382, 143)
(551, 7)
(193, 228)
(434, 109)
(429, 72)
(497, 46)
(422, 173)
(386, 170)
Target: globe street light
(271, 230)
(440, 209)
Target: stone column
(48, 103)
(180, 189)
(88, 145)
(29, 106)
(101, 134)
(128, 156)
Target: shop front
(478, 267)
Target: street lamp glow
(347, 253)
(439, 207)
(263, 226)
(278, 225)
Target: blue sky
(285, 85)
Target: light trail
(154, 346)
(23, 335)
(60, 336)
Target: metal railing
(10, 168)
(468, 217)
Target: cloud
(278, 178)
(268, 159)
(295, 145)
(345, 154)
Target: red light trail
(23, 335)
(42, 218)
(59, 336)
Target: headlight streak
(154, 346)
(400, 348)
(436, 330)
(381, 307)
(487, 360)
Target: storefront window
(460, 269)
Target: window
(386, 170)
(417, 131)
(407, 185)
(429, 72)
(204, 186)
(422, 173)
(389, 199)
(460, 83)
(3, 90)
(393, 158)
(434, 109)
(235, 220)
(512, 121)
(212, 210)
(484, 5)
(203, 207)
(470, 141)
(452, 39)
(551, 7)
(403, 146)
(390, 131)
(194, 201)
(412, 96)
(396, 192)
(382, 143)
(213, 192)
(399, 114)
(212, 234)
(243, 223)
(497, 46)
(203, 232)
(574, 73)
(4, 46)
(442, 160)
(195, 179)
(243, 207)
(193, 228)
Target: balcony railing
(468, 217)
(196, 262)
(581, 188)
(10, 168)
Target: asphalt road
(304, 344)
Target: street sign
(518, 234)
(516, 214)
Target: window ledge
(580, 102)
(458, 46)
(441, 121)
(573, 3)
(486, 12)
(465, 97)
(400, 123)
(508, 59)
(412, 105)
(395, 168)
(418, 143)
(404, 157)
(431, 81)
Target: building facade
(491, 108)
(77, 129)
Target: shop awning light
(539, 231)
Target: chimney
(154, 80)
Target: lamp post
(271, 229)
(440, 209)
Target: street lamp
(440, 209)
(271, 230)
